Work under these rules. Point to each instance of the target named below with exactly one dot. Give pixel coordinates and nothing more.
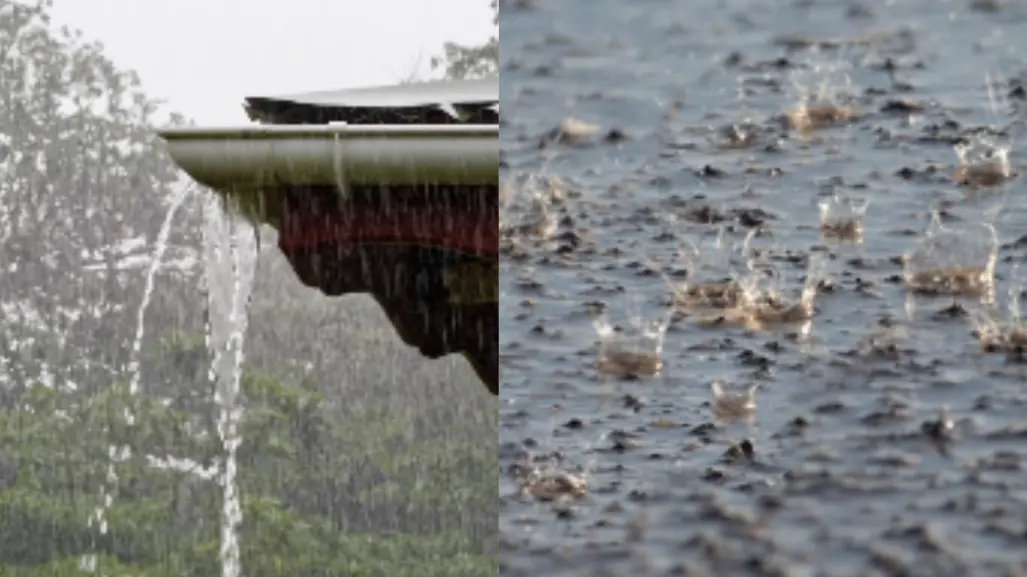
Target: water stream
(230, 250)
(117, 454)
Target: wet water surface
(665, 142)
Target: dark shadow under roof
(434, 102)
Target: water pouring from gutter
(230, 251)
(115, 453)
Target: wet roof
(434, 102)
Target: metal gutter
(254, 157)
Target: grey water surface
(846, 477)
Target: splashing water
(822, 80)
(528, 212)
(841, 218)
(983, 159)
(952, 262)
(761, 304)
(711, 281)
(116, 454)
(636, 351)
(1003, 335)
(732, 406)
(983, 163)
(230, 250)
(821, 102)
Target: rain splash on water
(230, 250)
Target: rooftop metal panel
(434, 102)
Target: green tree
(303, 476)
(459, 61)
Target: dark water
(847, 477)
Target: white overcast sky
(204, 56)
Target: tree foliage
(358, 457)
(303, 475)
(459, 61)
(83, 184)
